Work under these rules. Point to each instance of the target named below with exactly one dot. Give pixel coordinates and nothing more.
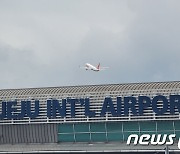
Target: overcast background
(43, 42)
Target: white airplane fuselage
(91, 67)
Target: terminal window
(114, 131)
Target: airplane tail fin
(98, 67)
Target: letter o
(164, 102)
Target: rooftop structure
(89, 123)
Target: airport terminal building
(91, 118)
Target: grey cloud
(44, 42)
(3, 53)
(19, 68)
(153, 43)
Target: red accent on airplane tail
(98, 67)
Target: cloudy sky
(43, 42)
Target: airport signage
(118, 107)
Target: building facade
(90, 118)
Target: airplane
(93, 68)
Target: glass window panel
(66, 137)
(83, 127)
(98, 137)
(164, 125)
(126, 134)
(65, 128)
(177, 134)
(115, 136)
(82, 137)
(147, 132)
(148, 126)
(177, 125)
(97, 127)
(130, 126)
(114, 127)
(165, 132)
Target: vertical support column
(90, 132)
(74, 134)
(123, 131)
(167, 150)
(106, 131)
(139, 128)
(156, 127)
(174, 128)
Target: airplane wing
(104, 67)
